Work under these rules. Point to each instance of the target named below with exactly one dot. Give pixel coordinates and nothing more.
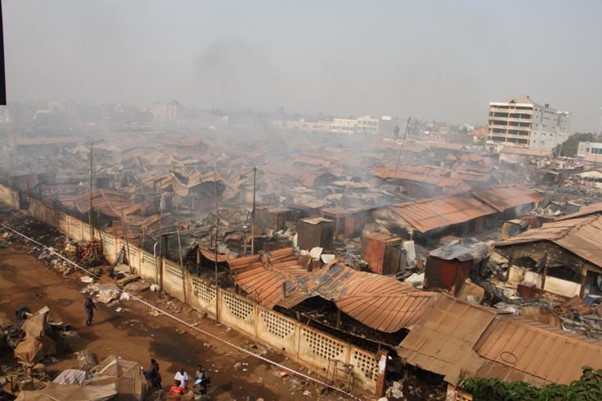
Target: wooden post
(127, 244)
(184, 276)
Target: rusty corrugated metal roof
(431, 214)
(377, 301)
(594, 208)
(504, 198)
(107, 202)
(388, 313)
(209, 254)
(542, 351)
(457, 340)
(436, 179)
(580, 236)
(442, 341)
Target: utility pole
(253, 212)
(403, 141)
(216, 234)
(91, 186)
(91, 210)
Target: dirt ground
(135, 334)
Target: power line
(177, 319)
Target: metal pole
(91, 186)
(403, 141)
(253, 213)
(217, 300)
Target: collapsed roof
(282, 278)
(580, 236)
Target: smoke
(233, 72)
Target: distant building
(361, 125)
(163, 112)
(343, 125)
(4, 115)
(520, 121)
(589, 148)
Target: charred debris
(334, 231)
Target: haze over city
(429, 59)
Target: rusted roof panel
(545, 352)
(431, 214)
(209, 254)
(380, 302)
(580, 236)
(388, 313)
(442, 341)
(594, 208)
(504, 198)
(470, 176)
(109, 203)
(436, 180)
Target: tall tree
(569, 147)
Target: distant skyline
(440, 60)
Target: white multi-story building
(522, 122)
(589, 148)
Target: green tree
(587, 388)
(569, 147)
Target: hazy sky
(441, 60)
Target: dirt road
(135, 334)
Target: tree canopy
(587, 388)
(569, 147)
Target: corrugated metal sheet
(580, 236)
(374, 246)
(387, 313)
(594, 208)
(462, 252)
(109, 203)
(431, 214)
(380, 302)
(504, 198)
(459, 340)
(442, 342)
(424, 174)
(209, 254)
(315, 232)
(548, 353)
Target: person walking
(90, 307)
(153, 375)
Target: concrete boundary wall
(10, 197)
(305, 344)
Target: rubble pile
(91, 253)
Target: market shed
(515, 348)
(513, 199)
(448, 267)
(566, 253)
(285, 279)
(458, 340)
(461, 214)
(443, 341)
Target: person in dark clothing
(153, 375)
(90, 307)
(201, 380)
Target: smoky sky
(442, 60)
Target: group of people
(180, 386)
